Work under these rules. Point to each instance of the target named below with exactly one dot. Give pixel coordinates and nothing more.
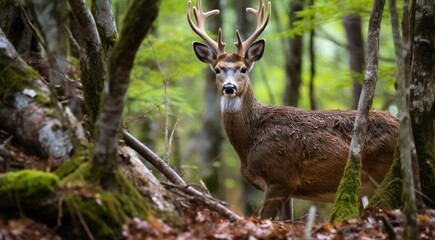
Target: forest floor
(208, 225)
(202, 223)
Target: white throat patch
(231, 105)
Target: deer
(286, 151)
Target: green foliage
(15, 76)
(161, 59)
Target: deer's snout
(229, 89)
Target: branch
(92, 62)
(139, 18)
(103, 14)
(169, 173)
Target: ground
(202, 224)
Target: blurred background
(314, 59)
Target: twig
(83, 222)
(310, 222)
(172, 135)
(388, 227)
(166, 102)
(37, 34)
(169, 173)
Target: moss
(103, 211)
(76, 161)
(28, 185)
(388, 194)
(14, 76)
(346, 204)
(426, 155)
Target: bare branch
(139, 18)
(169, 173)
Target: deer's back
(308, 149)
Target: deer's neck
(239, 116)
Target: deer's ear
(255, 51)
(204, 53)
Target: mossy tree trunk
(346, 203)
(422, 94)
(406, 142)
(92, 61)
(105, 21)
(26, 110)
(138, 20)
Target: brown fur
(303, 153)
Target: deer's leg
(274, 197)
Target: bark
(51, 19)
(355, 48)
(406, 27)
(313, 102)
(139, 18)
(147, 184)
(26, 111)
(92, 62)
(346, 203)
(14, 26)
(211, 135)
(406, 141)
(245, 26)
(105, 20)
(294, 60)
(422, 95)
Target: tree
(419, 72)
(406, 142)
(352, 24)
(55, 134)
(422, 94)
(245, 27)
(346, 203)
(211, 134)
(294, 59)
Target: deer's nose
(229, 88)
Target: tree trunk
(120, 63)
(28, 113)
(13, 23)
(92, 61)
(246, 27)
(294, 59)
(346, 203)
(211, 135)
(355, 48)
(313, 102)
(422, 95)
(105, 21)
(406, 141)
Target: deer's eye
(217, 71)
(243, 70)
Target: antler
(200, 17)
(242, 46)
